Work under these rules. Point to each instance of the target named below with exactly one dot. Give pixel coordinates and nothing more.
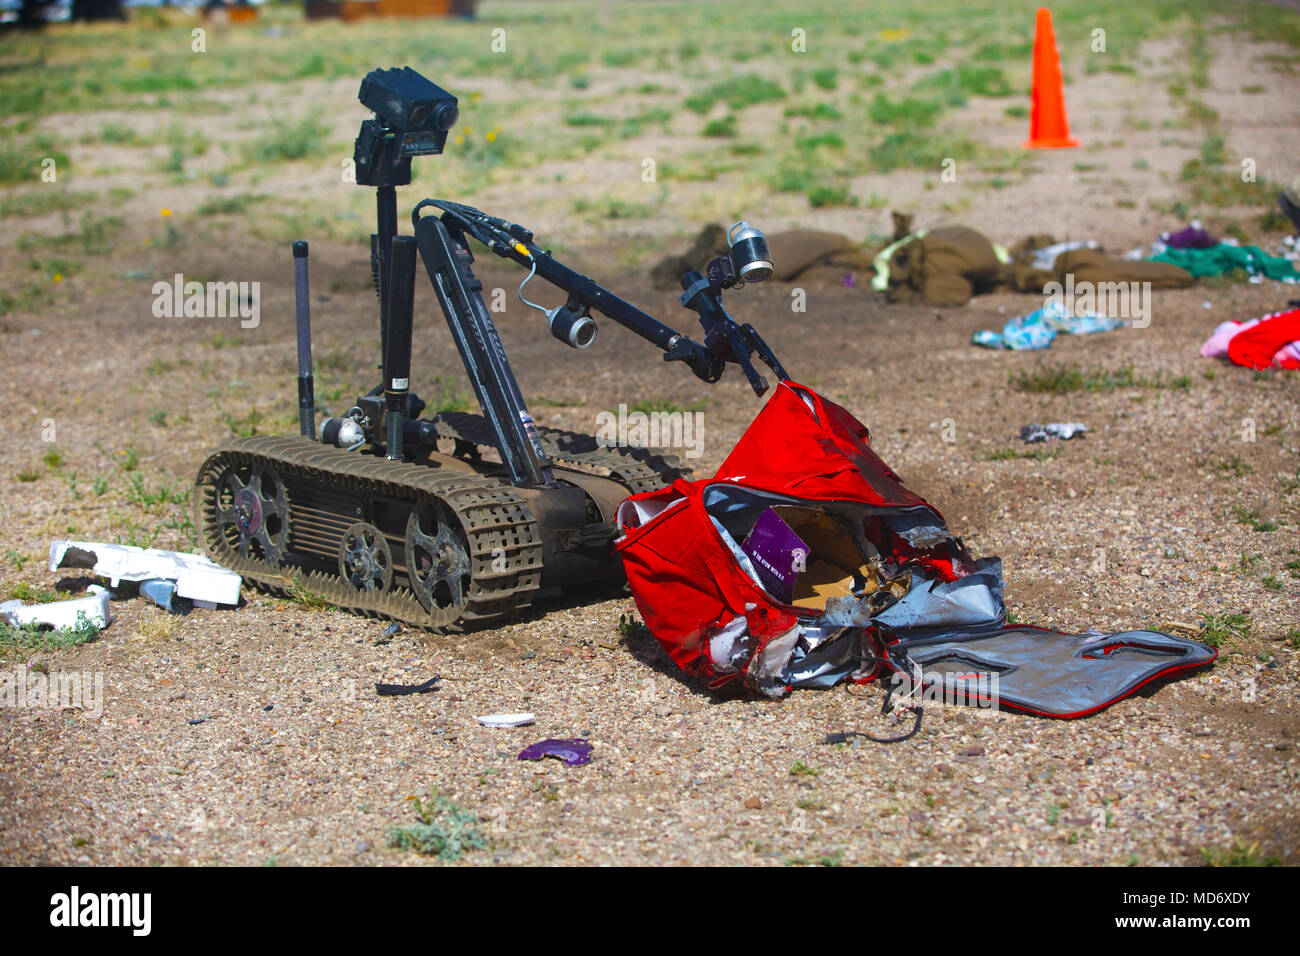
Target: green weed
(444, 830)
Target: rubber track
(493, 516)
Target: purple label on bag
(778, 555)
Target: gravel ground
(255, 735)
(296, 759)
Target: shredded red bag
(875, 581)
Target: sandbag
(944, 267)
(1089, 265)
(797, 249)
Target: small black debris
(400, 690)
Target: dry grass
(159, 625)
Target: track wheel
(253, 511)
(438, 558)
(365, 560)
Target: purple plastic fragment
(574, 751)
(1193, 237)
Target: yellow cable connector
(522, 250)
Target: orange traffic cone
(1048, 127)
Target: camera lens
(418, 116)
(447, 116)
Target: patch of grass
(299, 593)
(1239, 854)
(27, 475)
(827, 194)
(630, 629)
(1271, 220)
(244, 427)
(1033, 454)
(94, 237)
(1235, 466)
(160, 625)
(818, 111)
(826, 79)
(1213, 151)
(723, 127)
(829, 859)
(801, 769)
(36, 297)
(910, 148)
(289, 140)
(22, 591)
(443, 829)
(1001, 52)
(230, 205)
(21, 162)
(1210, 186)
(18, 164)
(36, 637)
(449, 398)
(1063, 379)
(827, 140)
(588, 119)
(118, 134)
(1251, 517)
(1227, 627)
(738, 93)
(610, 208)
(968, 80)
(42, 201)
(221, 340)
(623, 57)
(795, 177)
(138, 494)
(908, 112)
(652, 405)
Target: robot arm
(725, 341)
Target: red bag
(689, 585)
(699, 592)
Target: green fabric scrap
(880, 282)
(1216, 260)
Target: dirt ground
(254, 736)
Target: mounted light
(749, 253)
(575, 329)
